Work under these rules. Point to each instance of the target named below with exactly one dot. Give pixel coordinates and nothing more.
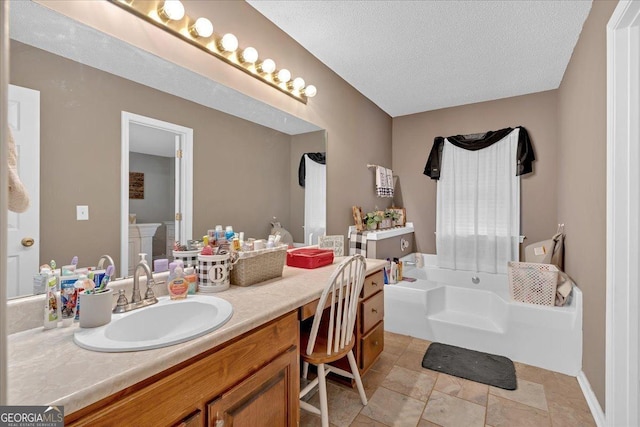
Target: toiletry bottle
(68, 299)
(52, 300)
(178, 287)
(172, 271)
(192, 279)
(229, 234)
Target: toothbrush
(105, 279)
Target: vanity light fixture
(228, 43)
(283, 75)
(310, 91)
(267, 66)
(171, 10)
(170, 15)
(201, 28)
(296, 84)
(249, 55)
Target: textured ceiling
(414, 56)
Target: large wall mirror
(245, 153)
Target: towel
(384, 182)
(358, 243)
(18, 197)
(389, 182)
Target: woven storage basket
(533, 283)
(257, 266)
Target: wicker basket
(257, 266)
(533, 283)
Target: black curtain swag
(525, 155)
(316, 157)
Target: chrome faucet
(101, 266)
(123, 305)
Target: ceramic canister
(213, 272)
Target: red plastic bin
(309, 257)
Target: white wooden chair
(332, 338)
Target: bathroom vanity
(246, 372)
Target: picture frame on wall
(136, 185)
(357, 217)
(402, 217)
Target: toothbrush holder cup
(96, 308)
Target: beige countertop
(47, 368)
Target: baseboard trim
(592, 400)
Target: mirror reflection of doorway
(158, 201)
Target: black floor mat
(485, 368)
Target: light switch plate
(82, 213)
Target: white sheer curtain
(315, 201)
(478, 207)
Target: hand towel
(389, 182)
(381, 179)
(18, 197)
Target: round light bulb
(202, 28)
(249, 55)
(283, 75)
(172, 10)
(310, 91)
(298, 83)
(267, 66)
(229, 42)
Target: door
(266, 398)
(23, 256)
(180, 146)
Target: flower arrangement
(371, 219)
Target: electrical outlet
(82, 213)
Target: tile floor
(402, 393)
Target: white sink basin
(163, 324)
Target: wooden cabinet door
(193, 420)
(267, 398)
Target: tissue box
(309, 257)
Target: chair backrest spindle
(342, 292)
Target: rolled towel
(18, 196)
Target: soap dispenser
(178, 286)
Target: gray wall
(582, 158)
(413, 137)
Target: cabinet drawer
(372, 284)
(371, 345)
(372, 311)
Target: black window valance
(524, 157)
(316, 157)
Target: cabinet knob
(374, 310)
(375, 343)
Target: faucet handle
(150, 284)
(121, 303)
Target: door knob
(27, 242)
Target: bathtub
(446, 306)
